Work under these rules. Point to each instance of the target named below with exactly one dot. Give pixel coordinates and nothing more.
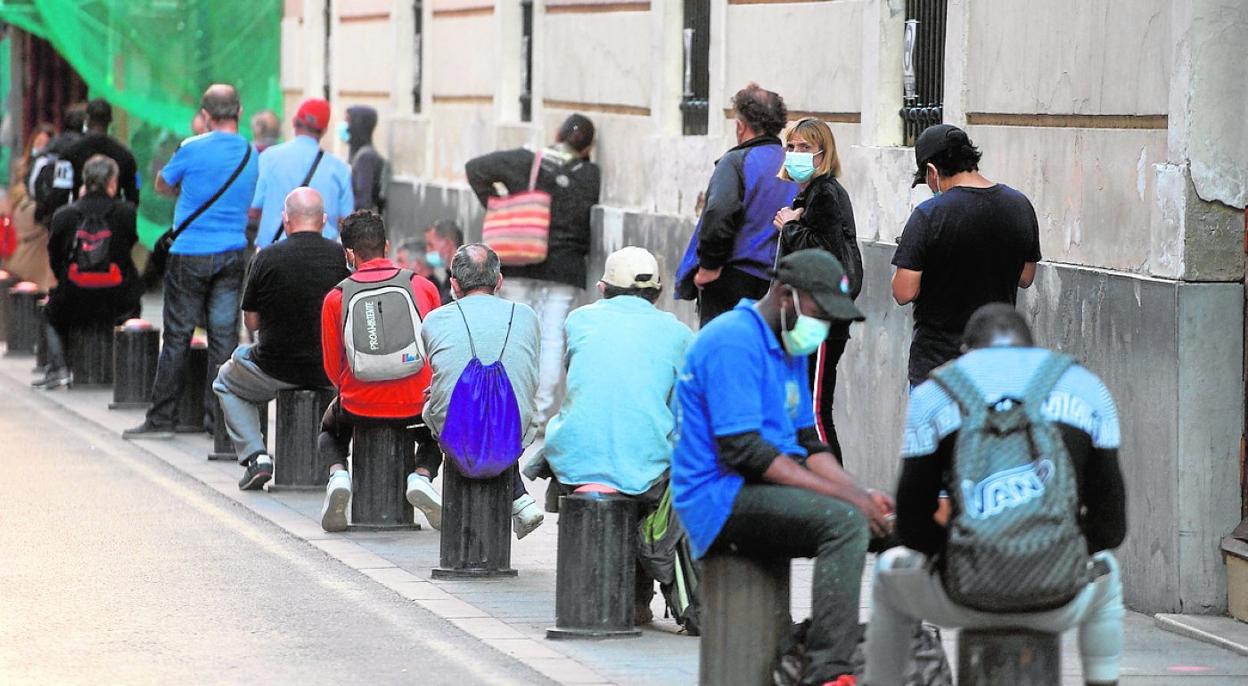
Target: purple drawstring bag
(482, 430)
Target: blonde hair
(817, 133)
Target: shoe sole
(149, 435)
(257, 482)
(521, 530)
(423, 502)
(334, 511)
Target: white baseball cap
(631, 267)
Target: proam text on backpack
(90, 262)
(381, 328)
(1014, 539)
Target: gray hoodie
(368, 167)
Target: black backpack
(90, 260)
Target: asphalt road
(114, 568)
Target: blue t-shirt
(282, 168)
(202, 164)
(615, 426)
(737, 378)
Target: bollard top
(136, 325)
(596, 488)
(25, 287)
(4, 275)
(199, 342)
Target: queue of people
(465, 348)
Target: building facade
(1122, 120)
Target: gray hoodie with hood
(368, 167)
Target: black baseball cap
(933, 141)
(820, 274)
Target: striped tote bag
(517, 226)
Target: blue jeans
(197, 288)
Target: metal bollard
(476, 526)
(1009, 656)
(90, 353)
(382, 455)
(24, 321)
(7, 281)
(296, 460)
(747, 613)
(596, 568)
(222, 444)
(136, 347)
(190, 411)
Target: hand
(883, 501)
(786, 215)
(881, 525)
(705, 276)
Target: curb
(1213, 630)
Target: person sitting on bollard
(480, 325)
(1062, 497)
(749, 474)
(89, 251)
(282, 302)
(385, 388)
(616, 424)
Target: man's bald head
(475, 268)
(304, 211)
(221, 103)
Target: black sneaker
(55, 378)
(149, 430)
(259, 471)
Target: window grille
(526, 61)
(923, 67)
(696, 39)
(418, 65)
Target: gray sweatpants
(242, 387)
(904, 592)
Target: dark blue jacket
(736, 225)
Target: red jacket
(399, 398)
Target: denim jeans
(768, 520)
(905, 591)
(552, 302)
(197, 287)
(242, 387)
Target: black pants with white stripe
(822, 371)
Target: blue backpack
(482, 433)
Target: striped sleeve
(930, 416)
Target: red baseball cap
(314, 113)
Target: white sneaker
(422, 495)
(337, 496)
(526, 515)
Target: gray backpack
(1014, 539)
(381, 328)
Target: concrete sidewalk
(512, 615)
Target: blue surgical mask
(344, 132)
(808, 332)
(800, 165)
(434, 259)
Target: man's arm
(1028, 275)
(718, 229)
(331, 336)
(164, 188)
(906, 285)
(918, 496)
(503, 166)
(251, 320)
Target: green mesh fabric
(152, 60)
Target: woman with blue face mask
(821, 217)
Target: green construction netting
(152, 59)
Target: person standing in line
(98, 142)
(974, 242)
(368, 167)
(51, 176)
(29, 260)
(442, 240)
(821, 217)
(734, 245)
(301, 162)
(214, 177)
(265, 130)
(550, 287)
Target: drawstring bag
(482, 431)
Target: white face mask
(808, 332)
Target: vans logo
(1005, 490)
(370, 323)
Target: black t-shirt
(102, 144)
(287, 285)
(970, 244)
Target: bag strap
(1043, 381)
(215, 196)
(507, 338)
(537, 165)
(471, 345)
(961, 388)
(306, 180)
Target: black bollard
(191, 403)
(222, 444)
(6, 282)
(1009, 656)
(382, 455)
(476, 526)
(24, 321)
(296, 462)
(90, 353)
(747, 613)
(596, 568)
(136, 347)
